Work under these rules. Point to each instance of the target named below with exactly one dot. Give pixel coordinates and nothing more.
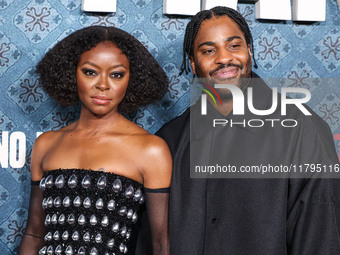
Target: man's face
(221, 54)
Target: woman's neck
(89, 121)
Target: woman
(92, 173)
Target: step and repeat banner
(28, 28)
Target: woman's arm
(157, 178)
(33, 239)
(157, 208)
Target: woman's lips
(101, 100)
(226, 73)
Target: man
(244, 216)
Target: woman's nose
(103, 84)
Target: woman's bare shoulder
(50, 136)
(147, 146)
(41, 147)
(152, 147)
(156, 161)
(47, 138)
(144, 140)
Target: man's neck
(225, 109)
(227, 105)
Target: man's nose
(223, 56)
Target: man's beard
(241, 82)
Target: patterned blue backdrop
(28, 28)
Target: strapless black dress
(89, 212)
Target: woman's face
(102, 78)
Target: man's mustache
(225, 66)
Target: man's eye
(208, 51)
(235, 45)
(117, 75)
(89, 72)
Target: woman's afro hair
(57, 70)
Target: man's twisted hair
(195, 23)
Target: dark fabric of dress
(89, 212)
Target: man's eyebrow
(229, 39)
(210, 43)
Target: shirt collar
(262, 100)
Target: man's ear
(250, 55)
(192, 64)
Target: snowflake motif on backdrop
(117, 19)
(9, 54)
(30, 90)
(171, 28)
(327, 50)
(27, 92)
(247, 12)
(58, 118)
(70, 4)
(14, 226)
(301, 76)
(329, 110)
(37, 20)
(5, 3)
(144, 39)
(6, 123)
(178, 86)
(272, 47)
(301, 31)
(18, 231)
(141, 3)
(143, 118)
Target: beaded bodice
(88, 212)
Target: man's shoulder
(314, 123)
(175, 124)
(292, 111)
(176, 128)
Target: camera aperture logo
(239, 105)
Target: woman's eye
(117, 75)
(89, 72)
